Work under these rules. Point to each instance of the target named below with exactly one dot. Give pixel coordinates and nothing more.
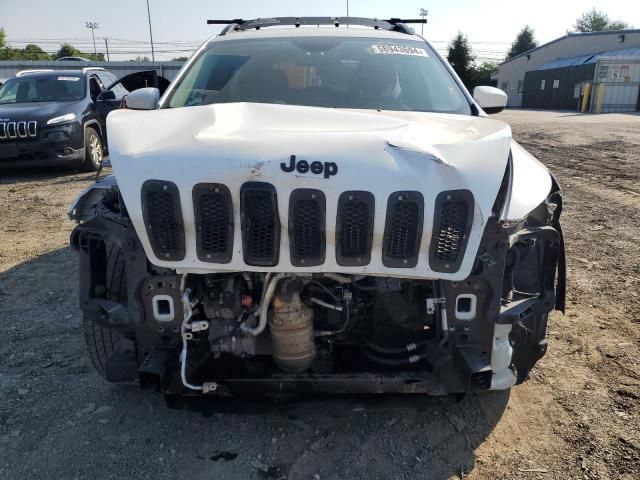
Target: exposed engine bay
(312, 319)
(247, 333)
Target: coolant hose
(393, 362)
(264, 307)
(408, 348)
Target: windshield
(49, 88)
(360, 73)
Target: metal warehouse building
(554, 75)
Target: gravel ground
(578, 416)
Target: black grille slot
(354, 228)
(452, 222)
(163, 219)
(403, 229)
(307, 227)
(260, 224)
(214, 222)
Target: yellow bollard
(585, 97)
(600, 98)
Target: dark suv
(58, 117)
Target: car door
(115, 95)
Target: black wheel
(103, 342)
(93, 150)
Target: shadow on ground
(58, 419)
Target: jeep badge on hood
(302, 166)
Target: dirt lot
(578, 416)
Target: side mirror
(107, 95)
(143, 99)
(491, 99)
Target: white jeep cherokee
(311, 208)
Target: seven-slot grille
(260, 224)
(307, 227)
(214, 223)
(354, 228)
(403, 229)
(18, 130)
(213, 210)
(452, 222)
(162, 217)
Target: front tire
(102, 342)
(93, 150)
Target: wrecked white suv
(315, 209)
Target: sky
(179, 26)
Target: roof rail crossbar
(395, 24)
(88, 69)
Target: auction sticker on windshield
(399, 50)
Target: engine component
(225, 336)
(400, 317)
(223, 297)
(292, 329)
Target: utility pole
(153, 55)
(347, 12)
(106, 45)
(93, 26)
(423, 14)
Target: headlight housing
(69, 117)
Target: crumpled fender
(529, 185)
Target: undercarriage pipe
(264, 306)
(324, 304)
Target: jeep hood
(376, 151)
(35, 111)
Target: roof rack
(394, 24)
(88, 69)
(27, 72)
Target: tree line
(32, 51)
(472, 74)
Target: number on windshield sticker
(399, 50)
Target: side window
(119, 91)
(95, 87)
(106, 78)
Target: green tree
(34, 52)
(597, 21)
(461, 57)
(99, 57)
(481, 74)
(6, 53)
(180, 59)
(67, 50)
(525, 41)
